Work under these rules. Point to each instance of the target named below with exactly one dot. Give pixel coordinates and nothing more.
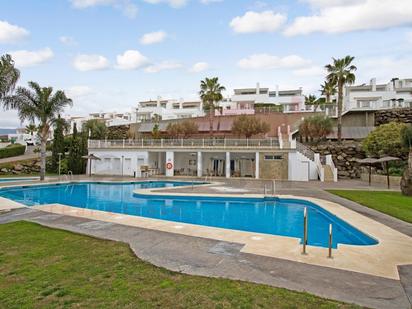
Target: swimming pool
(274, 216)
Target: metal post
(273, 187)
(330, 241)
(264, 190)
(305, 230)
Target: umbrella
(90, 157)
(383, 160)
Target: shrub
(315, 128)
(385, 140)
(12, 151)
(249, 126)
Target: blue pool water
(262, 215)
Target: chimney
(373, 84)
(181, 103)
(257, 88)
(277, 90)
(158, 101)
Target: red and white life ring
(169, 165)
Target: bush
(12, 151)
(385, 140)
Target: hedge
(12, 151)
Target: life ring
(169, 165)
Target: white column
(199, 164)
(170, 162)
(227, 164)
(257, 165)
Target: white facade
(369, 97)
(168, 109)
(290, 100)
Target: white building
(369, 97)
(168, 109)
(109, 118)
(291, 100)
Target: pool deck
(369, 275)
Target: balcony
(193, 144)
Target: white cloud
(67, 40)
(313, 70)
(11, 33)
(345, 16)
(328, 3)
(131, 60)
(127, 7)
(172, 3)
(267, 21)
(409, 37)
(153, 37)
(27, 58)
(80, 91)
(199, 67)
(383, 68)
(165, 65)
(90, 62)
(266, 61)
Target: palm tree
(9, 75)
(31, 129)
(341, 74)
(211, 93)
(406, 181)
(328, 89)
(312, 100)
(41, 105)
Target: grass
(391, 203)
(48, 268)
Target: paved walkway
(209, 257)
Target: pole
(387, 174)
(370, 172)
(305, 230)
(330, 241)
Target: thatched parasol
(89, 158)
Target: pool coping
(382, 259)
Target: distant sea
(7, 131)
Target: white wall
(111, 162)
(300, 168)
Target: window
(273, 157)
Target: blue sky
(109, 54)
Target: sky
(109, 54)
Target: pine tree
(58, 144)
(75, 155)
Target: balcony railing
(268, 143)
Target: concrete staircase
(328, 174)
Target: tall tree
(328, 89)
(210, 94)
(75, 153)
(341, 73)
(249, 126)
(58, 143)
(9, 76)
(312, 100)
(38, 104)
(96, 127)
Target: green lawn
(48, 268)
(392, 203)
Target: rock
(4, 170)
(18, 167)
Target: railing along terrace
(186, 143)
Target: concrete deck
(263, 250)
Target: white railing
(271, 143)
(306, 151)
(319, 167)
(329, 161)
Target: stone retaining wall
(344, 155)
(20, 167)
(400, 115)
